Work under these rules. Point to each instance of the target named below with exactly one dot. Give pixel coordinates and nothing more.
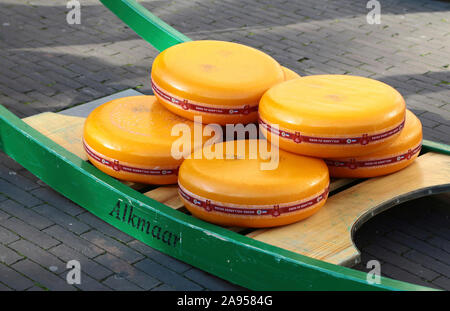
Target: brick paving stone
(427, 123)
(14, 279)
(380, 227)
(88, 265)
(4, 215)
(163, 288)
(41, 276)
(28, 175)
(124, 270)
(4, 288)
(420, 246)
(426, 213)
(104, 227)
(65, 220)
(6, 236)
(167, 276)
(433, 208)
(436, 229)
(391, 245)
(366, 257)
(441, 267)
(8, 256)
(401, 262)
(161, 258)
(112, 246)
(18, 194)
(25, 214)
(407, 228)
(89, 284)
(39, 256)
(120, 284)
(445, 129)
(398, 273)
(28, 232)
(53, 198)
(210, 282)
(14, 178)
(440, 243)
(73, 241)
(443, 282)
(35, 289)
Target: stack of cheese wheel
(356, 123)
(402, 152)
(237, 190)
(220, 81)
(130, 139)
(332, 115)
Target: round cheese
(248, 188)
(220, 81)
(130, 139)
(289, 74)
(332, 115)
(401, 153)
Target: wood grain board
(167, 195)
(327, 235)
(64, 130)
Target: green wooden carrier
(235, 257)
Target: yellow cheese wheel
(237, 191)
(130, 139)
(332, 115)
(401, 153)
(289, 74)
(220, 81)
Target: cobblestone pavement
(411, 241)
(48, 65)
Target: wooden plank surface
(337, 184)
(327, 235)
(64, 130)
(167, 195)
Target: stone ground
(48, 65)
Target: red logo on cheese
(185, 105)
(297, 138)
(276, 211)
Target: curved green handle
(145, 24)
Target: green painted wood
(233, 257)
(428, 145)
(145, 24)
